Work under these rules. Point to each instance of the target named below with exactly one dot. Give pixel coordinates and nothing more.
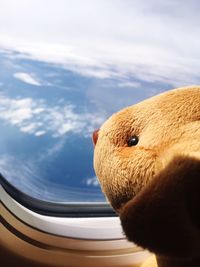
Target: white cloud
(93, 181)
(30, 128)
(27, 78)
(52, 151)
(155, 41)
(39, 133)
(15, 111)
(26, 176)
(18, 172)
(129, 84)
(36, 117)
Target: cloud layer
(26, 78)
(93, 181)
(37, 118)
(26, 176)
(153, 41)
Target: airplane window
(65, 66)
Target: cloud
(129, 84)
(40, 133)
(27, 78)
(15, 111)
(153, 41)
(93, 181)
(36, 117)
(26, 176)
(13, 169)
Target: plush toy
(147, 158)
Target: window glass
(66, 66)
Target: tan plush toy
(147, 158)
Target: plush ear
(165, 216)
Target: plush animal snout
(95, 136)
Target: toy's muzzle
(95, 136)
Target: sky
(156, 41)
(38, 117)
(65, 66)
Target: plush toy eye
(133, 140)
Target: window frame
(69, 241)
(58, 209)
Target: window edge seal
(57, 209)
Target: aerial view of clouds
(68, 65)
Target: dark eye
(133, 140)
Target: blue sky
(46, 121)
(65, 66)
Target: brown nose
(95, 136)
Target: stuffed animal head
(147, 158)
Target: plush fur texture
(155, 185)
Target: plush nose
(95, 136)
